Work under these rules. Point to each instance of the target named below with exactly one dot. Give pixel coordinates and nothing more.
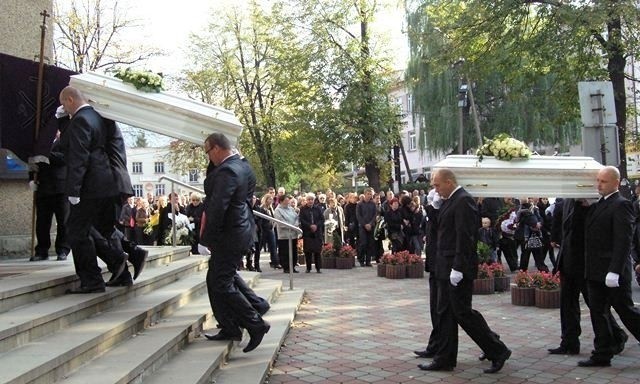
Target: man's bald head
(444, 181)
(608, 180)
(71, 99)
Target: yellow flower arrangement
(504, 147)
(145, 81)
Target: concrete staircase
(147, 333)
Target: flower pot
(415, 271)
(344, 262)
(382, 270)
(502, 283)
(523, 296)
(329, 262)
(396, 271)
(483, 286)
(547, 298)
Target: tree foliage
(525, 57)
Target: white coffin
(161, 112)
(538, 176)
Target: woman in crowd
(268, 233)
(528, 226)
(194, 213)
(350, 219)
(286, 213)
(312, 224)
(417, 226)
(394, 223)
(335, 212)
(165, 221)
(142, 218)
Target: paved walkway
(355, 327)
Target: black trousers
(509, 248)
(432, 346)
(312, 257)
(46, 208)
(283, 253)
(601, 298)
(231, 307)
(454, 308)
(570, 289)
(88, 214)
(366, 246)
(538, 258)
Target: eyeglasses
(209, 150)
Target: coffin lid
(538, 176)
(161, 112)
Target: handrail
(290, 226)
(173, 210)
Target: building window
(159, 167)
(409, 103)
(138, 190)
(159, 189)
(412, 141)
(193, 175)
(136, 167)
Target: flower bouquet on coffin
(503, 147)
(328, 256)
(483, 283)
(522, 291)
(500, 279)
(548, 290)
(145, 81)
(183, 233)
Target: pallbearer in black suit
(609, 229)
(568, 233)
(228, 233)
(455, 267)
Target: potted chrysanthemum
(548, 291)
(483, 283)
(522, 291)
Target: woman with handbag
(529, 226)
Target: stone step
(52, 357)
(137, 358)
(205, 361)
(29, 322)
(53, 278)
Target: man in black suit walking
(228, 233)
(609, 229)
(568, 232)
(456, 266)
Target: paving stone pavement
(355, 327)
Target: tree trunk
(615, 67)
(373, 173)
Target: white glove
(203, 250)
(74, 200)
(437, 201)
(60, 112)
(33, 186)
(455, 277)
(611, 280)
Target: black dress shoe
(425, 354)
(83, 290)
(482, 357)
(318, 271)
(120, 267)
(564, 351)
(39, 257)
(497, 364)
(256, 337)
(119, 283)
(590, 362)
(258, 269)
(222, 336)
(62, 256)
(307, 271)
(620, 346)
(138, 259)
(435, 367)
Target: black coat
(571, 219)
(312, 241)
(83, 143)
(609, 230)
(229, 220)
(52, 176)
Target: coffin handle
(477, 185)
(585, 185)
(98, 103)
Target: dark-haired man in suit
(608, 234)
(455, 268)
(228, 233)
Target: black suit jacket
(609, 229)
(457, 236)
(229, 219)
(571, 219)
(83, 142)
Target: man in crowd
(455, 268)
(608, 233)
(366, 214)
(228, 233)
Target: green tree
(541, 49)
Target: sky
(167, 25)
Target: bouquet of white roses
(503, 147)
(145, 81)
(183, 234)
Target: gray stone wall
(20, 23)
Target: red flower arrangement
(497, 269)
(346, 251)
(327, 251)
(523, 279)
(484, 271)
(549, 281)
